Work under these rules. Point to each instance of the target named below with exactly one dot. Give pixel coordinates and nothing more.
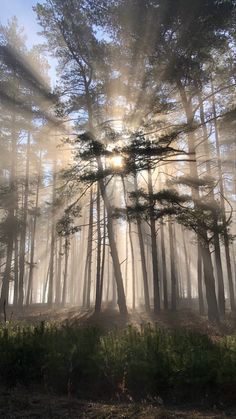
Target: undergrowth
(89, 362)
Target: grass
(91, 363)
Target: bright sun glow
(117, 161)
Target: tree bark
(213, 313)
(156, 291)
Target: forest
(118, 202)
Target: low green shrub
(91, 363)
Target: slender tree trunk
(216, 239)
(205, 251)
(88, 267)
(226, 237)
(11, 218)
(189, 290)
(65, 279)
(52, 247)
(156, 291)
(58, 297)
(164, 273)
(143, 256)
(127, 257)
(16, 271)
(114, 253)
(32, 244)
(103, 257)
(24, 228)
(131, 248)
(199, 280)
(99, 245)
(172, 267)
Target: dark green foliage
(88, 362)
(65, 226)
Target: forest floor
(110, 319)
(25, 404)
(19, 404)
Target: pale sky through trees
(23, 10)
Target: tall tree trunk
(11, 218)
(103, 257)
(164, 273)
(32, 244)
(132, 255)
(188, 279)
(110, 229)
(65, 279)
(216, 239)
(24, 228)
(199, 279)
(16, 271)
(52, 247)
(205, 251)
(172, 268)
(114, 253)
(226, 237)
(142, 254)
(156, 291)
(99, 245)
(58, 297)
(88, 266)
